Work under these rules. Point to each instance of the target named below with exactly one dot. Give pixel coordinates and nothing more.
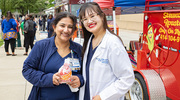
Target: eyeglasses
(90, 17)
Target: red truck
(157, 74)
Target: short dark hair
(50, 16)
(30, 17)
(2, 16)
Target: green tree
(23, 6)
(33, 6)
(39, 6)
(6, 5)
(51, 3)
(3, 6)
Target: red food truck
(157, 74)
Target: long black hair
(9, 15)
(92, 7)
(62, 15)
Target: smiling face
(92, 21)
(63, 29)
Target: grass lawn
(1, 40)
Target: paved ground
(13, 86)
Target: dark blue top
(49, 24)
(49, 27)
(61, 92)
(40, 22)
(89, 57)
(34, 65)
(35, 26)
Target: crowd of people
(28, 25)
(104, 70)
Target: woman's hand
(56, 78)
(25, 31)
(97, 97)
(75, 82)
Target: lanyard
(75, 63)
(72, 54)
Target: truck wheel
(139, 89)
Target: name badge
(75, 65)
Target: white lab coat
(110, 71)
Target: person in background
(22, 27)
(40, 23)
(25, 18)
(17, 18)
(18, 35)
(35, 27)
(47, 56)
(28, 33)
(9, 33)
(107, 69)
(36, 19)
(49, 26)
(2, 18)
(44, 22)
(20, 19)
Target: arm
(81, 79)
(36, 26)
(14, 24)
(122, 69)
(31, 69)
(39, 22)
(78, 79)
(18, 24)
(79, 73)
(26, 26)
(21, 27)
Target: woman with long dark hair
(47, 56)
(107, 69)
(9, 33)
